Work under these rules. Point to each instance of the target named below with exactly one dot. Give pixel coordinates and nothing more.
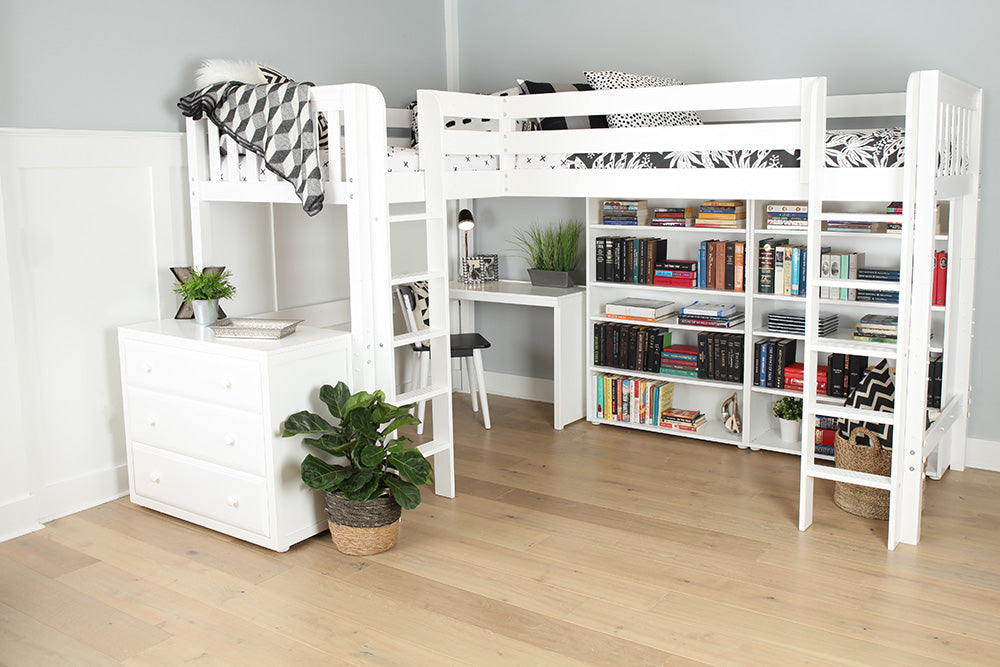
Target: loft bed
(941, 121)
(940, 138)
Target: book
(707, 308)
(787, 208)
(765, 264)
(640, 308)
(739, 258)
(939, 289)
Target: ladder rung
(418, 336)
(434, 447)
(405, 278)
(423, 394)
(407, 217)
(849, 476)
(878, 285)
(859, 347)
(863, 217)
(855, 414)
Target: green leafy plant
(374, 463)
(789, 408)
(550, 248)
(205, 285)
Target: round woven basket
(862, 500)
(362, 529)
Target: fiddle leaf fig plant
(373, 463)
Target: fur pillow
(219, 70)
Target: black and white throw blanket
(272, 120)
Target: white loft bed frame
(942, 120)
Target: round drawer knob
(227, 384)
(147, 367)
(154, 477)
(151, 421)
(229, 440)
(233, 501)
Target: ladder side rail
(812, 166)
(198, 156)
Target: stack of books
(624, 212)
(680, 360)
(826, 434)
(794, 322)
(676, 273)
(879, 296)
(895, 226)
(722, 214)
(869, 226)
(673, 217)
(795, 378)
(718, 315)
(785, 216)
(635, 309)
(877, 328)
(685, 420)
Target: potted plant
(551, 252)
(373, 477)
(788, 410)
(203, 289)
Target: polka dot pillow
(476, 124)
(618, 80)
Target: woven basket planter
(362, 529)
(862, 500)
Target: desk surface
(515, 292)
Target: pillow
(218, 70)
(617, 80)
(477, 124)
(561, 122)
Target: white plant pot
(205, 311)
(791, 431)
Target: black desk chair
(465, 346)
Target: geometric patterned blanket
(273, 120)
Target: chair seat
(462, 345)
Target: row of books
(847, 266)
(722, 214)
(721, 265)
(826, 435)
(632, 400)
(630, 346)
(935, 371)
(628, 259)
(844, 373)
(781, 267)
(720, 356)
(770, 357)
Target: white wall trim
(518, 386)
(17, 518)
(982, 454)
(73, 495)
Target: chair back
(413, 302)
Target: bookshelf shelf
(667, 377)
(666, 230)
(711, 430)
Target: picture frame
(479, 269)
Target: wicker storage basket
(362, 529)
(847, 454)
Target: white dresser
(203, 425)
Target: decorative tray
(248, 327)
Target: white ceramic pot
(205, 311)
(791, 431)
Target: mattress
(881, 147)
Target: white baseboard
(69, 496)
(17, 518)
(982, 454)
(518, 386)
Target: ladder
(372, 226)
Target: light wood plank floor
(594, 545)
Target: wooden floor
(594, 545)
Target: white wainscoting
(91, 223)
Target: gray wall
(122, 64)
(861, 46)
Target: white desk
(568, 335)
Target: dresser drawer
(229, 437)
(213, 377)
(204, 489)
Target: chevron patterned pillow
(876, 391)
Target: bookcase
(879, 249)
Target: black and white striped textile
(876, 391)
(274, 121)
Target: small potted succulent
(788, 410)
(203, 289)
(368, 477)
(551, 252)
